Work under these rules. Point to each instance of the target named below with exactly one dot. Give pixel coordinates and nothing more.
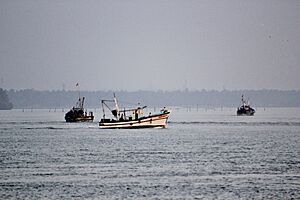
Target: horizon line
(158, 90)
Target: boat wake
(236, 123)
(32, 123)
(41, 128)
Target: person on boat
(121, 118)
(136, 115)
(163, 110)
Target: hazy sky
(154, 44)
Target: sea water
(203, 154)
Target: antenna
(185, 85)
(78, 89)
(63, 87)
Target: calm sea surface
(209, 154)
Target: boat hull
(249, 112)
(245, 114)
(154, 121)
(78, 115)
(80, 119)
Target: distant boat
(245, 108)
(77, 114)
(124, 120)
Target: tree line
(5, 104)
(30, 98)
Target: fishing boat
(132, 118)
(245, 108)
(77, 113)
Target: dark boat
(245, 108)
(77, 113)
(124, 120)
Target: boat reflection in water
(245, 108)
(132, 118)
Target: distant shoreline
(30, 98)
(5, 103)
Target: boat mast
(117, 106)
(82, 102)
(105, 105)
(102, 103)
(243, 101)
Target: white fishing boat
(132, 118)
